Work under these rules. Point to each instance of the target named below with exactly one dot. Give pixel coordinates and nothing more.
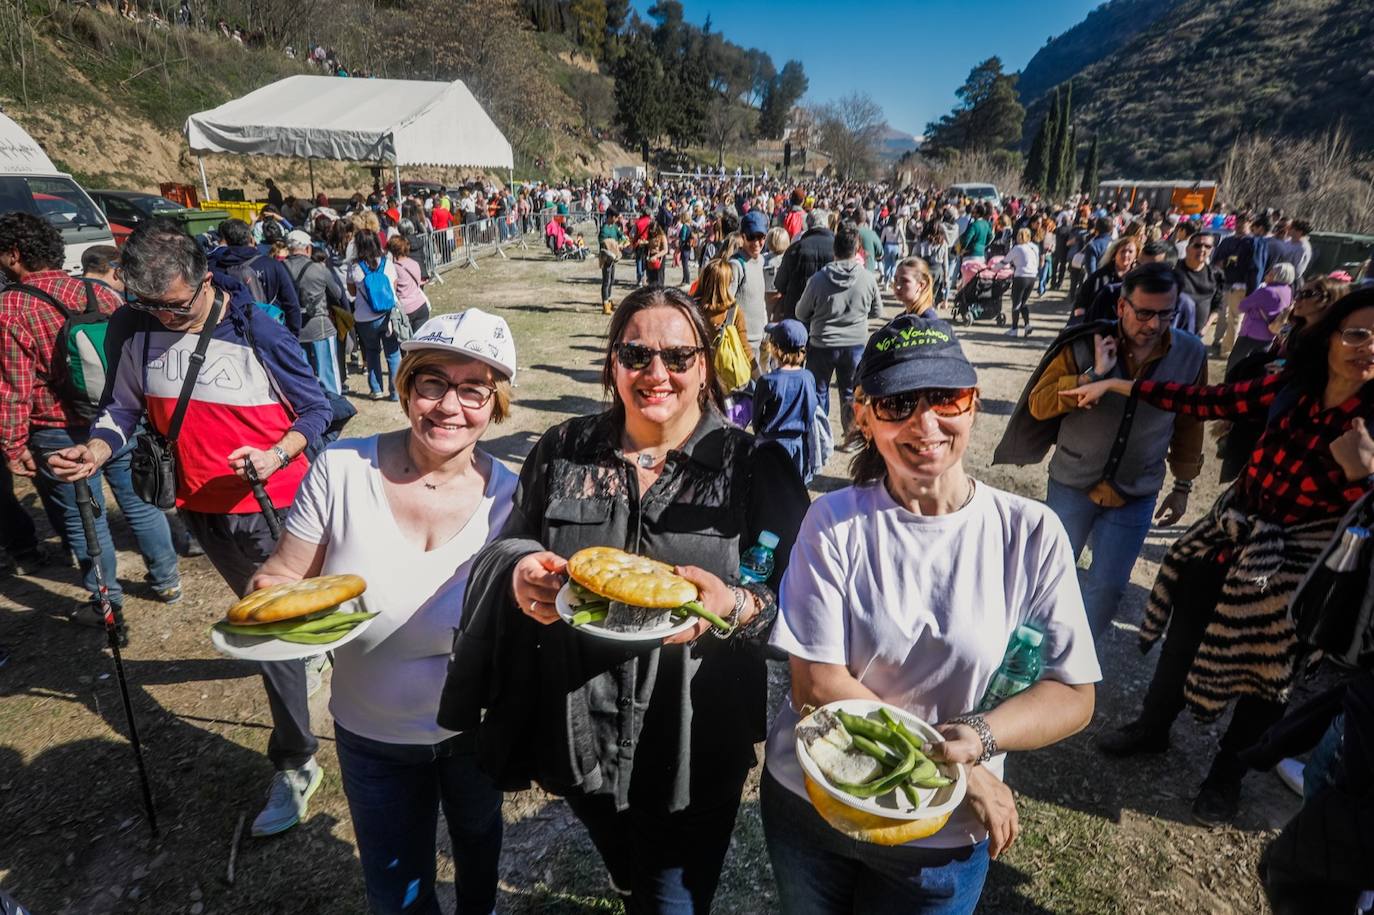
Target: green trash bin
(198, 221)
(1338, 251)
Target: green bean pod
(313, 638)
(330, 623)
(912, 797)
(934, 781)
(858, 726)
(695, 608)
(582, 617)
(879, 752)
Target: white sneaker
(1027, 331)
(1290, 772)
(1011, 332)
(287, 798)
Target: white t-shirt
(1025, 260)
(361, 309)
(387, 681)
(921, 608)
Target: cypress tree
(1037, 163)
(1066, 171)
(1089, 185)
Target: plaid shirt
(1291, 477)
(28, 335)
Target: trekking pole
(85, 504)
(269, 511)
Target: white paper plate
(894, 805)
(566, 609)
(267, 648)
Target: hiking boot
(1133, 739)
(168, 595)
(607, 307)
(287, 798)
(1217, 802)
(89, 615)
(31, 561)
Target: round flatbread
(295, 598)
(868, 827)
(630, 579)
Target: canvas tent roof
(399, 121)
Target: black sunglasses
(637, 356)
(947, 402)
(177, 308)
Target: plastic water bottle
(1020, 668)
(756, 565)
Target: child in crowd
(785, 400)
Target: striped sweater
(244, 395)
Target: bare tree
(1320, 178)
(849, 131)
(727, 122)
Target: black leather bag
(153, 463)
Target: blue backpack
(381, 295)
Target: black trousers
(17, 533)
(1164, 699)
(236, 545)
(607, 279)
(1021, 288)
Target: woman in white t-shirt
(906, 587)
(1025, 268)
(372, 319)
(408, 510)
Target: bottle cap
(1030, 635)
(769, 539)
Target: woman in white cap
(906, 588)
(407, 510)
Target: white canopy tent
(392, 121)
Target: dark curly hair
(39, 245)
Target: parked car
(30, 183)
(129, 208)
(978, 193)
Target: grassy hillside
(1172, 98)
(1101, 34)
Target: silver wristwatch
(980, 727)
(282, 457)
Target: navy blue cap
(754, 223)
(911, 352)
(789, 333)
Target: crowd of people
(905, 586)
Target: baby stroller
(560, 245)
(981, 293)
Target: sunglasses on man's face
(154, 305)
(637, 357)
(946, 402)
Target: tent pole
(397, 166)
(205, 185)
(310, 164)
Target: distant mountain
(895, 144)
(1102, 33)
(1168, 99)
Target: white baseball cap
(472, 333)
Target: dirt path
(1099, 836)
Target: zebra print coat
(1249, 646)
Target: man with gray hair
(804, 257)
(318, 290)
(250, 400)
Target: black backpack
(246, 275)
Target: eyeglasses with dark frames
(471, 394)
(1149, 314)
(945, 402)
(175, 308)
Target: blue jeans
(149, 525)
(1324, 766)
(394, 794)
(1116, 535)
(374, 341)
(1045, 267)
(842, 362)
(818, 870)
(891, 254)
(323, 358)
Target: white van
(30, 183)
(978, 193)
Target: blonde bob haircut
(417, 361)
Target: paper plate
(269, 648)
(893, 805)
(566, 609)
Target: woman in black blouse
(649, 742)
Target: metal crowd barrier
(461, 246)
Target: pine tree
(1089, 185)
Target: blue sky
(909, 56)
